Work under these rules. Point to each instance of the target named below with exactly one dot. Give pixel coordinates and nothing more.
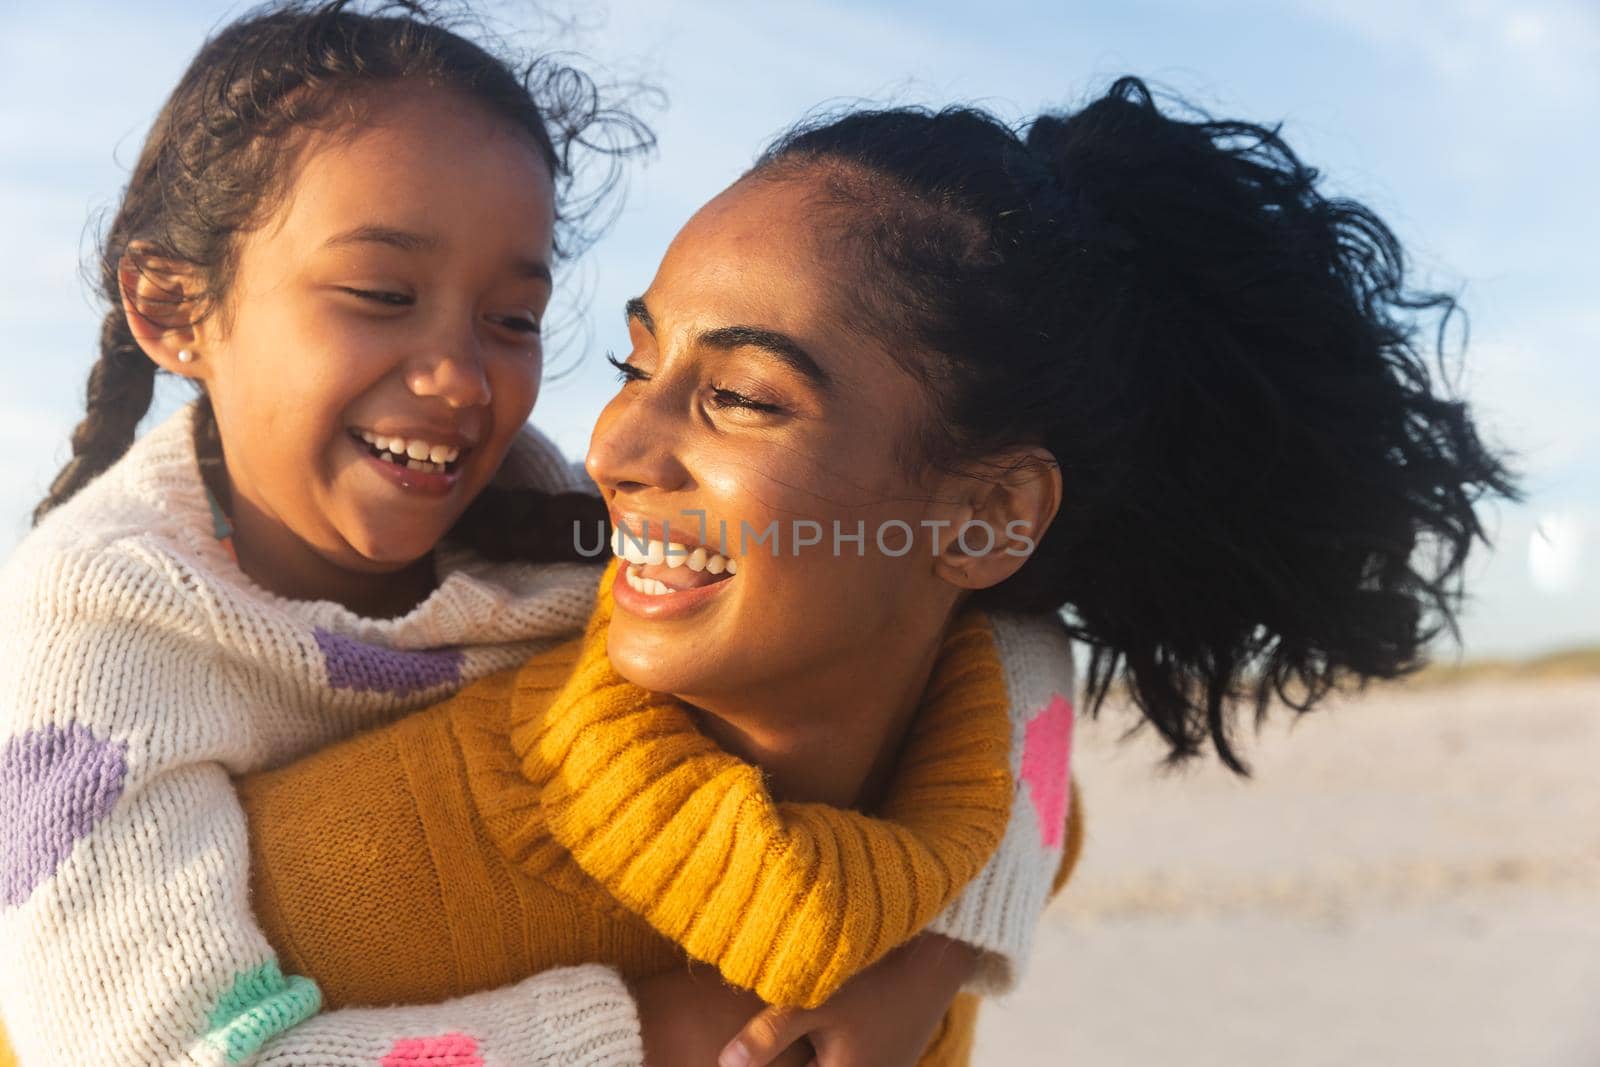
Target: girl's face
(749, 399)
(391, 305)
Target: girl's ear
(161, 298)
(1011, 502)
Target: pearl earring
(185, 356)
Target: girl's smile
(421, 461)
(380, 349)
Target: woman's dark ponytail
(1265, 495)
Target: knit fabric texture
(557, 814)
(143, 668)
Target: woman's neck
(832, 736)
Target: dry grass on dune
(1565, 663)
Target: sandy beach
(1411, 877)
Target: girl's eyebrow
(410, 241)
(785, 348)
(405, 240)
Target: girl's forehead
(436, 160)
(419, 124)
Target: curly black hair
(1266, 492)
(220, 154)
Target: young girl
(1150, 338)
(343, 228)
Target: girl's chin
(387, 555)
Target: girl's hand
(687, 1014)
(883, 1017)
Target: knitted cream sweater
(142, 669)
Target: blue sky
(1469, 125)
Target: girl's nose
(454, 372)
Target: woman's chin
(655, 663)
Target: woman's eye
(729, 398)
(626, 371)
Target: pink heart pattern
(1046, 756)
(445, 1050)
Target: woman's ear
(1013, 497)
(161, 300)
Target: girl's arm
(124, 909)
(141, 949)
(981, 791)
(999, 910)
(887, 1013)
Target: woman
(1126, 363)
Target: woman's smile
(667, 575)
(749, 415)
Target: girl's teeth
(697, 560)
(716, 565)
(677, 555)
(433, 457)
(733, 566)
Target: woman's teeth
(657, 553)
(413, 454)
(649, 586)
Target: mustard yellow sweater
(556, 814)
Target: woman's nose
(635, 446)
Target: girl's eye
(728, 398)
(379, 296)
(520, 324)
(626, 371)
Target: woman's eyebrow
(781, 345)
(636, 311)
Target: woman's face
(747, 400)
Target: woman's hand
(687, 1015)
(883, 1017)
